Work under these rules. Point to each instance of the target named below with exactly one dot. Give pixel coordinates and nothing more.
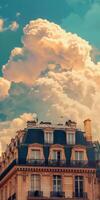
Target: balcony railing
(80, 196)
(36, 162)
(57, 163)
(82, 164)
(36, 193)
(13, 197)
(57, 194)
(72, 164)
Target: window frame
(34, 156)
(70, 138)
(48, 137)
(55, 155)
(78, 157)
(79, 186)
(56, 186)
(35, 182)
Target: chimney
(87, 129)
(31, 124)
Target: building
(46, 161)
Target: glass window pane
(71, 138)
(35, 182)
(35, 154)
(78, 186)
(54, 155)
(79, 155)
(57, 155)
(49, 137)
(76, 155)
(57, 183)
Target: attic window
(79, 155)
(70, 138)
(35, 154)
(49, 137)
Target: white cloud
(8, 128)
(4, 27)
(14, 26)
(4, 88)
(1, 24)
(44, 43)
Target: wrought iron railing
(13, 197)
(57, 194)
(57, 163)
(82, 164)
(35, 193)
(82, 195)
(38, 162)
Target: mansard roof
(36, 135)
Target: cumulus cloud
(14, 26)
(4, 27)
(1, 24)
(8, 128)
(53, 75)
(45, 43)
(4, 87)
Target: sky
(49, 63)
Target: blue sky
(54, 92)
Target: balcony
(57, 163)
(13, 197)
(82, 164)
(59, 194)
(82, 196)
(36, 162)
(35, 195)
(72, 163)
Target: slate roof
(36, 135)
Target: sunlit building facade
(46, 161)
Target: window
(78, 186)
(56, 155)
(49, 137)
(57, 183)
(35, 154)
(35, 182)
(70, 138)
(79, 155)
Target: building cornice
(56, 169)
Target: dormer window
(79, 155)
(70, 138)
(35, 154)
(56, 155)
(48, 137)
